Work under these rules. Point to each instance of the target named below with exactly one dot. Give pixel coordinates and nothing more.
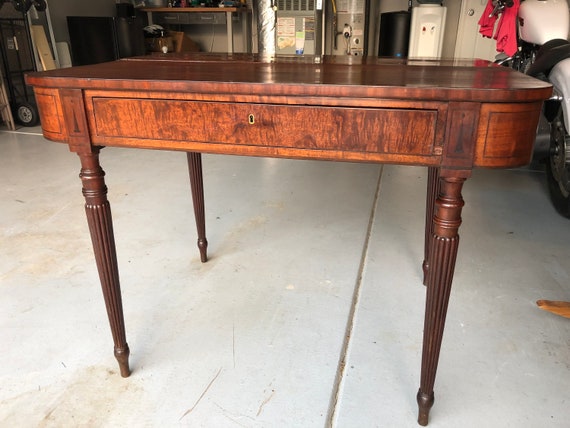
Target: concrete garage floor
(253, 338)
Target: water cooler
(426, 30)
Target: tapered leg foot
(122, 356)
(203, 248)
(99, 219)
(425, 402)
(441, 265)
(197, 186)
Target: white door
(470, 44)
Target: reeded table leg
(443, 246)
(432, 189)
(197, 186)
(100, 223)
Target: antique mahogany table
(450, 116)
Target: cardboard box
(183, 43)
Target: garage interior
(309, 312)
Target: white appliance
(426, 31)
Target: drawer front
(169, 18)
(386, 130)
(206, 18)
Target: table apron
(399, 133)
(408, 132)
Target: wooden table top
(363, 77)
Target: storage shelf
(205, 10)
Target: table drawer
(386, 130)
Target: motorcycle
(543, 51)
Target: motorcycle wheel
(558, 167)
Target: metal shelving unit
(18, 54)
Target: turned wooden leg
(197, 186)
(432, 189)
(100, 223)
(441, 261)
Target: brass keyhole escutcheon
(251, 119)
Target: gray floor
(300, 251)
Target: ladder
(5, 109)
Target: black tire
(27, 114)
(557, 169)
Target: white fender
(560, 79)
(543, 20)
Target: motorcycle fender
(534, 14)
(560, 79)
